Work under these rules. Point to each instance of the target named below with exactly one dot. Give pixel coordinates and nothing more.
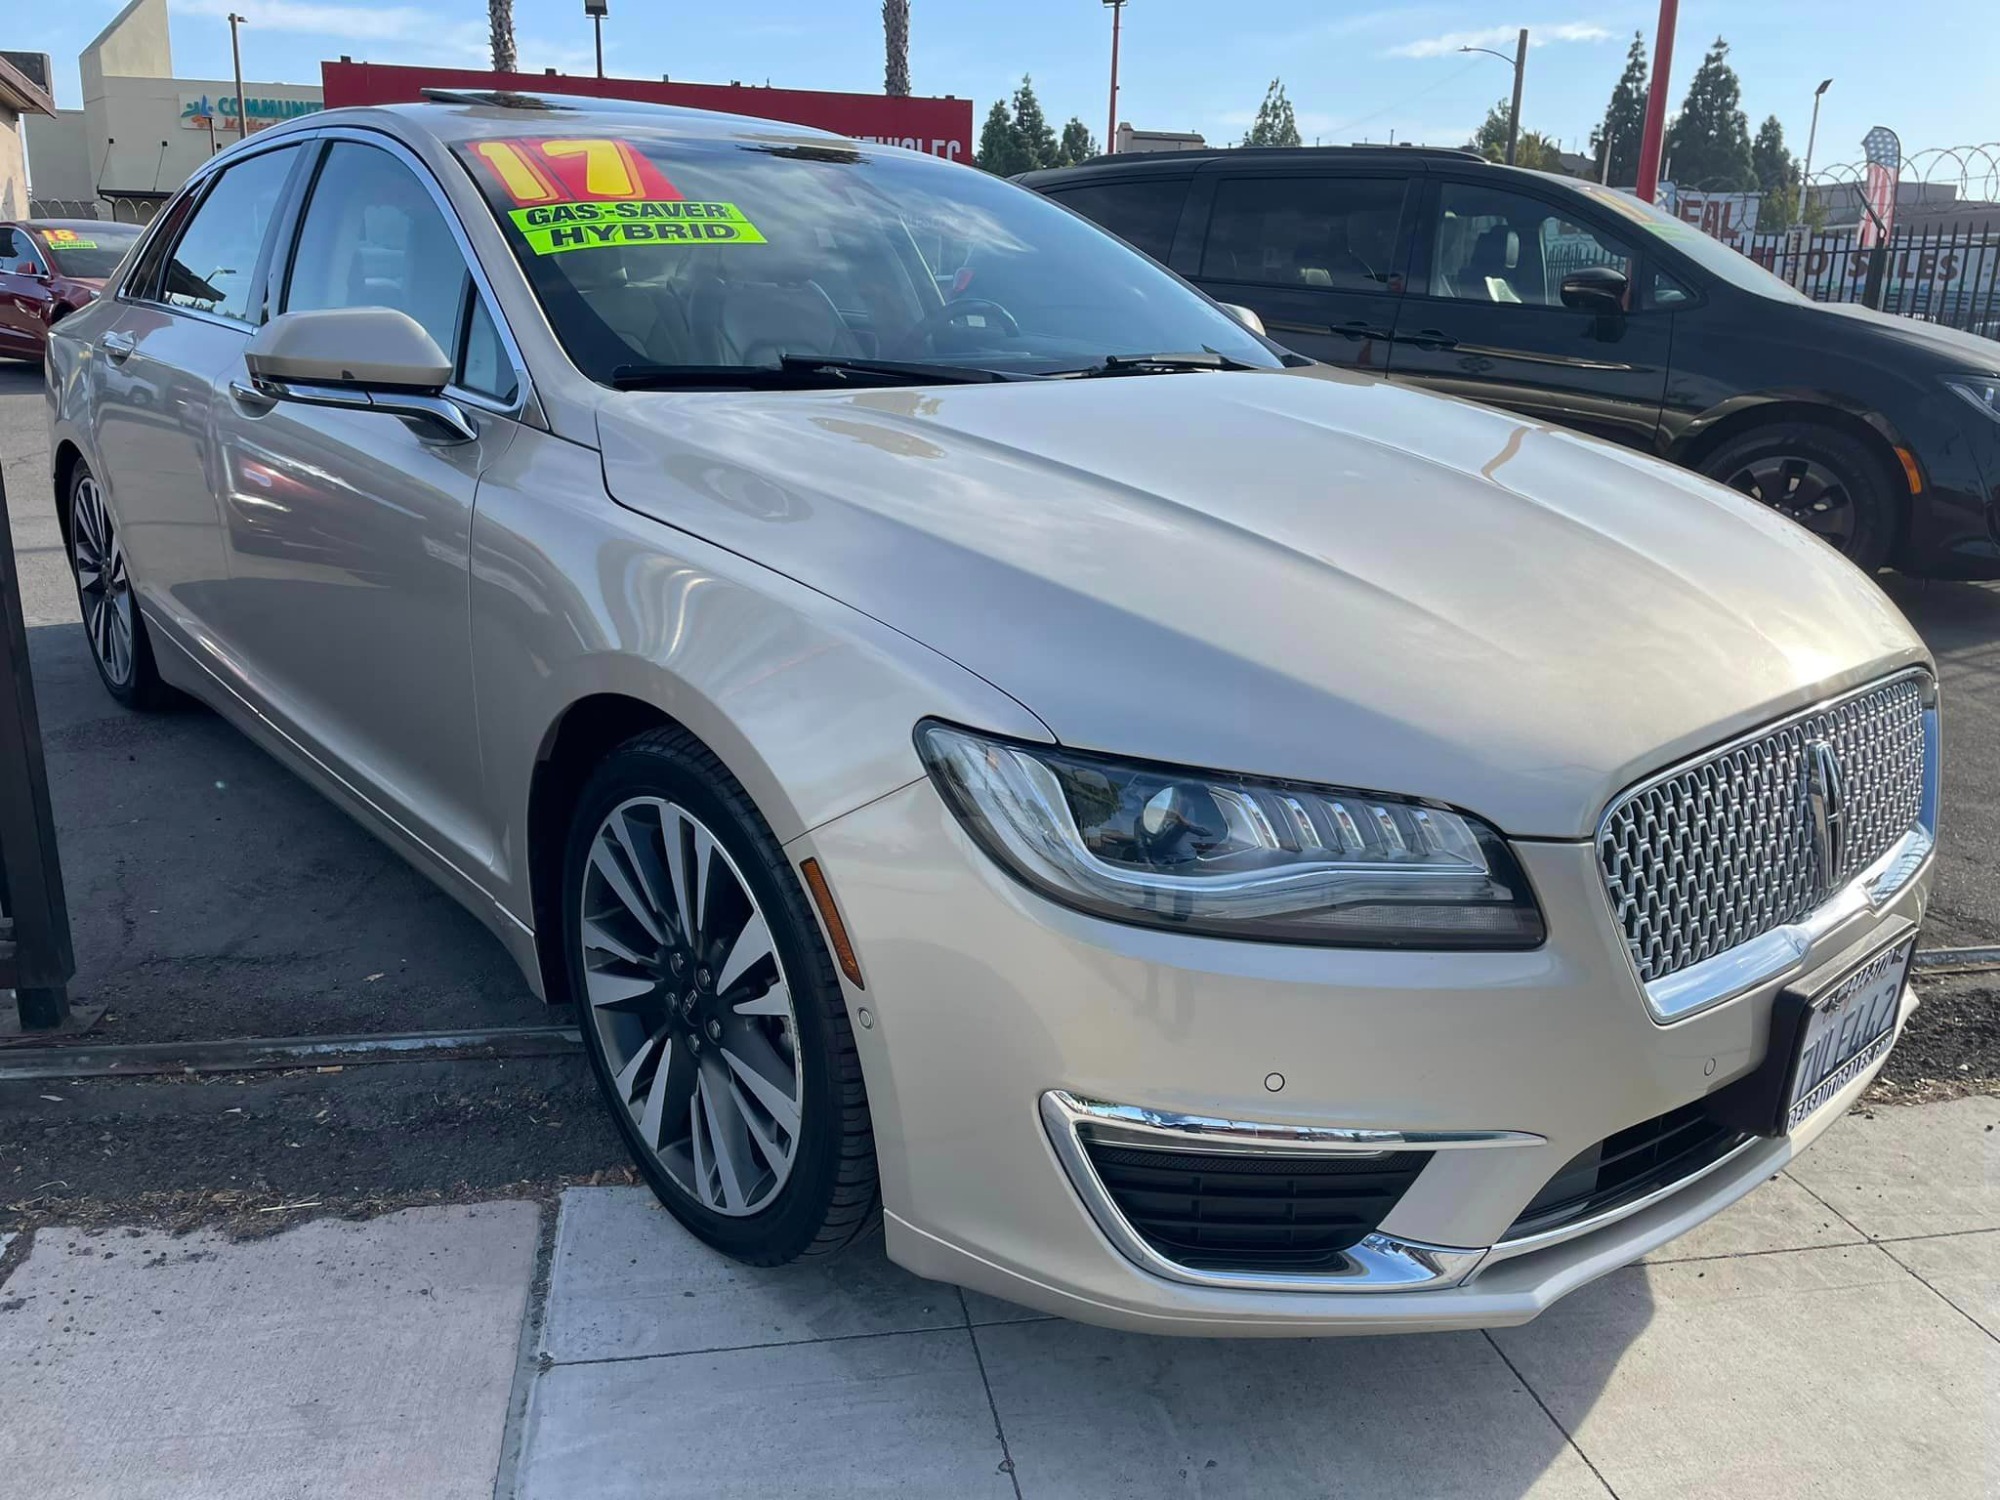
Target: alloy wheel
(689, 1001)
(1802, 490)
(103, 585)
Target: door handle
(1432, 338)
(119, 347)
(250, 398)
(1361, 328)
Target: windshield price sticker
(67, 239)
(557, 227)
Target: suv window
(1492, 245)
(1144, 214)
(372, 236)
(214, 263)
(10, 256)
(1327, 232)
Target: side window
(18, 256)
(1663, 290)
(1144, 214)
(1327, 232)
(214, 263)
(372, 236)
(1492, 245)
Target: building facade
(24, 96)
(142, 131)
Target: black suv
(1574, 304)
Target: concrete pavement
(1836, 1334)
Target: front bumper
(982, 999)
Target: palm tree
(896, 38)
(501, 13)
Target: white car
(1199, 843)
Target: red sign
(941, 127)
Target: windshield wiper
(802, 372)
(1158, 364)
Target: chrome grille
(1724, 850)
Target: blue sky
(1353, 68)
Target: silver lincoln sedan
(1191, 840)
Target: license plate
(1848, 1027)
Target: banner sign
(1885, 165)
(939, 127)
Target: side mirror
(1597, 289)
(362, 358)
(1246, 317)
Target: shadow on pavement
(213, 894)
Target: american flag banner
(1885, 166)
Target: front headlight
(1983, 391)
(1200, 851)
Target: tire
(690, 1045)
(1827, 480)
(113, 624)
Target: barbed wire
(1973, 171)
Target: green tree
(1779, 210)
(1276, 125)
(1772, 163)
(1032, 129)
(1624, 118)
(1709, 141)
(1534, 150)
(896, 47)
(1078, 144)
(999, 148)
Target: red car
(48, 269)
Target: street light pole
(1111, 128)
(236, 55)
(1812, 135)
(1519, 63)
(597, 10)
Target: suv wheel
(710, 1008)
(111, 619)
(1825, 479)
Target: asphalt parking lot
(214, 896)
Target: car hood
(1302, 575)
(1953, 348)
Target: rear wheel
(111, 619)
(710, 1009)
(1828, 481)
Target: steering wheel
(942, 317)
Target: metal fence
(116, 207)
(1938, 273)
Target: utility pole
(1111, 128)
(1519, 63)
(1651, 143)
(597, 10)
(236, 55)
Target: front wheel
(111, 620)
(1827, 480)
(710, 1009)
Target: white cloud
(1500, 37)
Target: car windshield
(657, 255)
(87, 250)
(1709, 253)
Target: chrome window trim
(1379, 1263)
(1773, 955)
(1527, 1243)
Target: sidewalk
(1836, 1334)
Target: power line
(1343, 129)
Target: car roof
(41, 224)
(1262, 156)
(454, 115)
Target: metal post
(1654, 140)
(1514, 114)
(236, 55)
(597, 10)
(36, 959)
(1111, 129)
